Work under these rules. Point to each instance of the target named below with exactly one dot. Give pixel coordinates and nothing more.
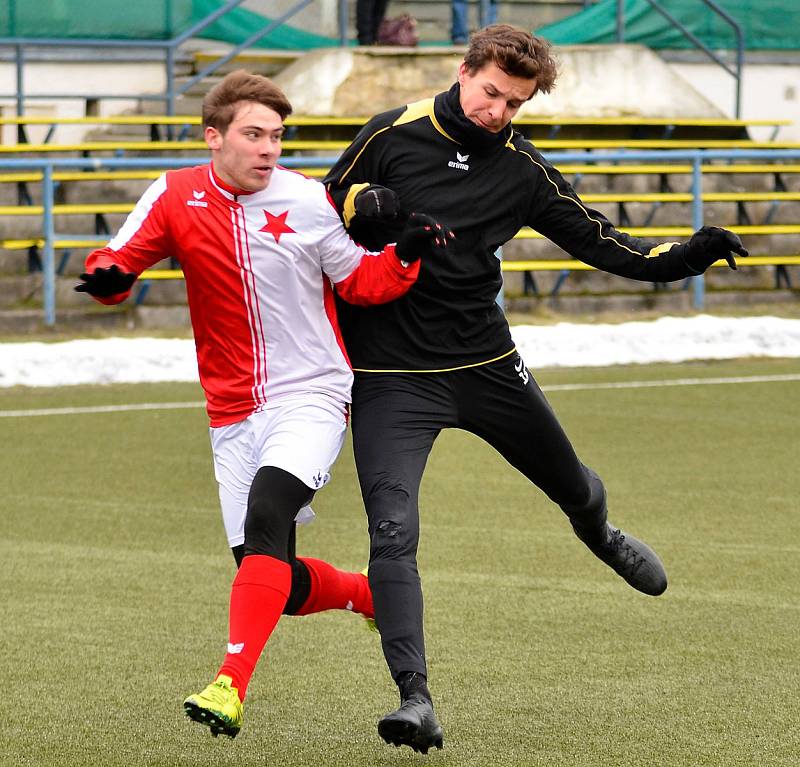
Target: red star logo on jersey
(276, 225)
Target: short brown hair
(221, 102)
(517, 52)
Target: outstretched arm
(140, 243)
(708, 245)
(559, 214)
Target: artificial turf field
(115, 578)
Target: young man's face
(491, 98)
(245, 155)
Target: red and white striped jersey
(258, 269)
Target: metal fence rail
(168, 49)
(735, 71)
(696, 159)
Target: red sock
(258, 596)
(333, 589)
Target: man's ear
(213, 138)
(462, 71)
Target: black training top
(484, 187)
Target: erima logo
(460, 162)
(235, 649)
(519, 366)
(198, 201)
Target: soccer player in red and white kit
(262, 248)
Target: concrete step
(601, 284)
(23, 227)
(18, 321)
(21, 288)
(259, 61)
(143, 133)
(674, 301)
(433, 19)
(199, 89)
(23, 321)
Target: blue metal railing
(696, 157)
(169, 49)
(736, 73)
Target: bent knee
(393, 518)
(393, 537)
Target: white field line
(553, 387)
(100, 409)
(674, 382)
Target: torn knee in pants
(393, 539)
(387, 528)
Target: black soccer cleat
(413, 724)
(631, 559)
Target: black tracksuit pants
(396, 418)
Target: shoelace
(631, 560)
(219, 692)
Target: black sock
(413, 685)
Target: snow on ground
(669, 339)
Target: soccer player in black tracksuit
(442, 356)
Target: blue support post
(47, 167)
(19, 58)
(169, 65)
(620, 21)
(699, 282)
(343, 23)
(49, 261)
(483, 13)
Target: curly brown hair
(517, 52)
(221, 102)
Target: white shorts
(302, 436)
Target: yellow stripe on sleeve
(350, 202)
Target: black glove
(709, 244)
(103, 283)
(422, 236)
(377, 202)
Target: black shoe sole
(399, 733)
(214, 723)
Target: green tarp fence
(144, 20)
(767, 24)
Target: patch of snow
(668, 339)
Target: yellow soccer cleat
(218, 707)
(371, 625)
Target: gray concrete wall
(595, 81)
(433, 16)
(48, 77)
(769, 91)
(320, 16)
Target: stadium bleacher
(756, 197)
(72, 240)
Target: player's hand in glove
(709, 244)
(377, 202)
(103, 283)
(422, 236)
